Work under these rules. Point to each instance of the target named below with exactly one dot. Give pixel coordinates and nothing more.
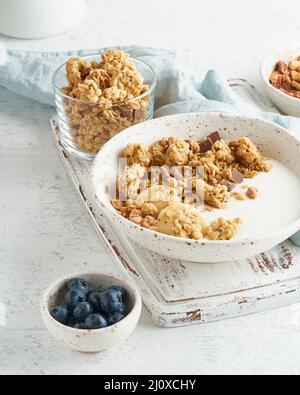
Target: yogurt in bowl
(267, 221)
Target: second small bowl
(287, 104)
(91, 341)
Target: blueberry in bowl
(82, 311)
(79, 284)
(115, 318)
(61, 314)
(96, 321)
(120, 289)
(94, 299)
(81, 326)
(91, 312)
(73, 298)
(111, 301)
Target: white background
(44, 233)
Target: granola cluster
(173, 176)
(181, 220)
(139, 212)
(222, 229)
(286, 77)
(105, 94)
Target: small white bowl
(273, 141)
(287, 104)
(91, 341)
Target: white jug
(39, 18)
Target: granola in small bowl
(286, 77)
(280, 72)
(99, 96)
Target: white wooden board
(177, 293)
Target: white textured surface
(45, 234)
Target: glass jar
(85, 127)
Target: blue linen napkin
(30, 74)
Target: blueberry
(115, 318)
(60, 314)
(73, 298)
(94, 300)
(72, 322)
(121, 289)
(123, 310)
(82, 311)
(96, 321)
(111, 301)
(78, 284)
(81, 326)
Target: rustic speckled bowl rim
(266, 78)
(292, 228)
(57, 90)
(59, 283)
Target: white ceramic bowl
(91, 341)
(287, 104)
(39, 18)
(273, 141)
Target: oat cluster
(165, 177)
(105, 93)
(139, 212)
(286, 77)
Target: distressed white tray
(178, 293)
